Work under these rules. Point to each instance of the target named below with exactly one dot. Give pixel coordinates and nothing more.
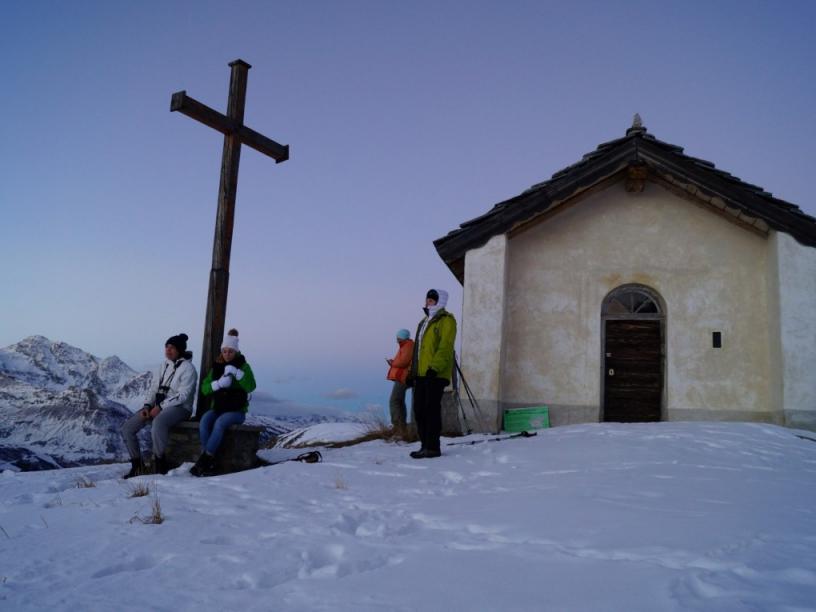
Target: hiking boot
(203, 465)
(137, 468)
(160, 465)
(207, 465)
(196, 469)
(425, 453)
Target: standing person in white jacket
(168, 401)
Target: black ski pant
(428, 410)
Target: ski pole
(462, 410)
(522, 434)
(473, 402)
(455, 384)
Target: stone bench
(238, 449)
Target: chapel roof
(636, 156)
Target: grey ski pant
(396, 404)
(160, 429)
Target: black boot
(208, 466)
(137, 468)
(426, 453)
(198, 468)
(160, 464)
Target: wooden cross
(235, 134)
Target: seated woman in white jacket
(168, 402)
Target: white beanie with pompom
(231, 340)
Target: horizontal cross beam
(201, 112)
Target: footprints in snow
(137, 564)
(333, 561)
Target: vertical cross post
(235, 134)
(224, 222)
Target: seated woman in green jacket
(229, 383)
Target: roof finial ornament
(637, 126)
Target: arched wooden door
(633, 347)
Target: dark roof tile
(612, 157)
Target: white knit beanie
(231, 340)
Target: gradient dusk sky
(404, 120)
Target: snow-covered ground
(664, 516)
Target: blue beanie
(403, 334)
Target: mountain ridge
(63, 407)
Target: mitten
(235, 372)
(225, 381)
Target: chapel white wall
(482, 329)
(711, 273)
(796, 280)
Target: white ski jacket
(180, 377)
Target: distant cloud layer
(288, 379)
(341, 394)
(264, 403)
(264, 397)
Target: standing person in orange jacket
(398, 372)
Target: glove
(430, 373)
(222, 383)
(235, 372)
(225, 381)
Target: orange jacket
(401, 364)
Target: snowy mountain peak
(57, 366)
(60, 405)
(114, 372)
(33, 341)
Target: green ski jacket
(436, 347)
